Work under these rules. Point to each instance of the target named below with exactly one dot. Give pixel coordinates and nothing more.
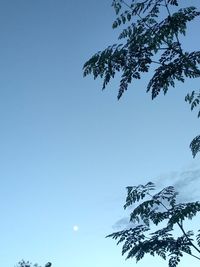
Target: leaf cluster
(144, 38)
(149, 41)
(193, 99)
(154, 210)
(24, 263)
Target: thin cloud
(185, 181)
(122, 224)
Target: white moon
(75, 228)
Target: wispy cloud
(121, 223)
(186, 181)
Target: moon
(75, 228)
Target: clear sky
(68, 150)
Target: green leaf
(195, 145)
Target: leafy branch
(152, 211)
(150, 42)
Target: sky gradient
(68, 150)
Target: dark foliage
(160, 209)
(150, 41)
(24, 263)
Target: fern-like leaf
(136, 193)
(195, 145)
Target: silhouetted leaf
(195, 145)
(149, 41)
(142, 238)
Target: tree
(24, 263)
(152, 211)
(150, 42)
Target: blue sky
(68, 150)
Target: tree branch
(192, 255)
(179, 51)
(181, 227)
